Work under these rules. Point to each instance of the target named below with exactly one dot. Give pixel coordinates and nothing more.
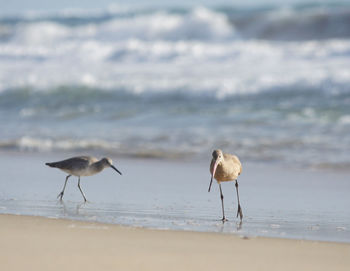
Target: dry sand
(35, 243)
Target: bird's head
(107, 162)
(218, 158)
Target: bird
(225, 167)
(81, 166)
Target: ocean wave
(199, 51)
(261, 150)
(215, 69)
(30, 144)
(81, 99)
(284, 22)
(294, 23)
(199, 24)
(158, 82)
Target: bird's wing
(74, 163)
(236, 163)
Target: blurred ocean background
(268, 81)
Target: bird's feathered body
(79, 166)
(228, 169)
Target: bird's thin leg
(60, 195)
(239, 210)
(81, 190)
(222, 204)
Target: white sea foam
(199, 52)
(37, 144)
(40, 33)
(345, 120)
(139, 66)
(200, 24)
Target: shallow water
(277, 202)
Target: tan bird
(82, 166)
(225, 167)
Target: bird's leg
(81, 190)
(60, 195)
(239, 210)
(222, 204)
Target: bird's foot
(60, 195)
(239, 212)
(239, 225)
(224, 219)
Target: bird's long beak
(116, 169)
(213, 174)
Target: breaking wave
(156, 82)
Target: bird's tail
(51, 164)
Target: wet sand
(162, 194)
(35, 243)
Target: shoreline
(105, 225)
(156, 194)
(35, 243)
(195, 159)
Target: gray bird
(82, 166)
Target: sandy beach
(35, 243)
(157, 86)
